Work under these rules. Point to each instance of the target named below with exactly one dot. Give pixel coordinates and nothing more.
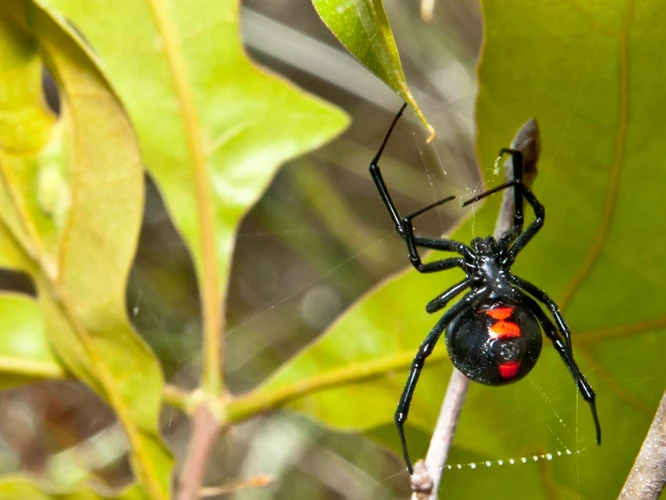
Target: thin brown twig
(205, 428)
(260, 481)
(427, 10)
(427, 475)
(648, 475)
(426, 483)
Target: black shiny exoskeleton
(500, 355)
(493, 333)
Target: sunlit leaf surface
(70, 211)
(25, 354)
(213, 127)
(363, 28)
(588, 72)
(15, 487)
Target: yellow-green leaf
(25, 122)
(25, 354)
(363, 28)
(72, 212)
(19, 487)
(213, 128)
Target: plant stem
(425, 485)
(427, 10)
(205, 251)
(205, 423)
(260, 481)
(178, 398)
(648, 475)
(256, 402)
(205, 428)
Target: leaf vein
(613, 183)
(208, 274)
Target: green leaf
(71, 213)
(363, 28)
(15, 487)
(25, 122)
(25, 354)
(588, 73)
(28, 131)
(213, 128)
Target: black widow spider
(493, 334)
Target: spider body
(495, 342)
(494, 332)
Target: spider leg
(552, 306)
(403, 225)
(442, 299)
(517, 174)
(444, 245)
(539, 211)
(438, 265)
(509, 237)
(424, 351)
(377, 176)
(564, 350)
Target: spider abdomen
(495, 343)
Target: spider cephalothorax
(493, 333)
